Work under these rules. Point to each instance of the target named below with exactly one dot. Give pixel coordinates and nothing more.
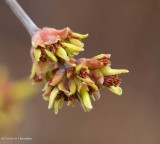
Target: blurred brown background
(130, 31)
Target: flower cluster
(68, 79)
(50, 46)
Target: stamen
(70, 35)
(70, 72)
(36, 78)
(83, 73)
(91, 90)
(105, 60)
(61, 61)
(73, 97)
(52, 48)
(111, 81)
(43, 57)
(60, 95)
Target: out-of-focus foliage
(13, 94)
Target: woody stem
(22, 16)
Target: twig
(22, 16)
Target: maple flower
(67, 79)
(50, 46)
(81, 81)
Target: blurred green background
(127, 29)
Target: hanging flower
(81, 81)
(67, 79)
(50, 46)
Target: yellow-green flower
(81, 80)
(53, 46)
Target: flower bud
(70, 48)
(81, 36)
(37, 54)
(58, 105)
(72, 87)
(33, 71)
(51, 55)
(115, 89)
(38, 71)
(47, 91)
(62, 53)
(89, 82)
(106, 70)
(76, 42)
(86, 99)
(101, 56)
(52, 97)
